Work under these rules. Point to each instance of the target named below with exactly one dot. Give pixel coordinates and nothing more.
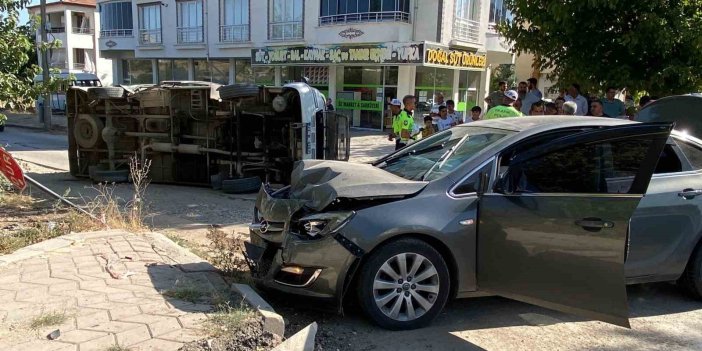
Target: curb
(175, 251)
(301, 341)
(272, 322)
(54, 128)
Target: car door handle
(689, 194)
(594, 224)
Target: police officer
(406, 122)
(395, 108)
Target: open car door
(554, 231)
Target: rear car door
(553, 232)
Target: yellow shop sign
(454, 58)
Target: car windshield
(436, 156)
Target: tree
(503, 73)
(18, 58)
(646, 45)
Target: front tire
(692, 277)
(404, 285)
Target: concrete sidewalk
(28, 120)
(108, 287)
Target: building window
(498, 12)
(172, 70)
(243, 72)
(137, 72)
(429, 83)
(216, 71)
(116, 19)
(466, 23)
(190, 29)
(348, 11)
(285, 19)
(150, 24)
(234, 21)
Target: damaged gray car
(545, 210)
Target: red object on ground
(11, 170)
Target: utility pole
(45, 67)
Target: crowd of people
(524, 100)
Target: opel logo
(264, 226)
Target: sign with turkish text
(366, 105)
(385, 53)
(11, 170)
(441, 56)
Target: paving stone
(133, 336)
(122, 312)
(102, 343)
(81, 336)
(63, 287)
(113, 327)
(91, 320)
(43, 345)
(189, 306)
(87, 298)
(159, 307)
(7, 279)
(157, 324)
(121, 296)
(156, 345)
(183, 335)
(109, 290)
(192, 320)
(28, 268)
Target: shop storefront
(363, 79)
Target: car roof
(519, 124)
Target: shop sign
(366, 105)
(435, 55)
(386, 53)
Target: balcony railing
(56, 30)
(79, 66)
(188, 35)
(149, 36)
(80, 30)
(466, 30)
(115, 33)
(389, 16)
(285, 30)
(234, 33)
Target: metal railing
(187, 35)
(389, 16)
(285, 30)
(149, 36)
(80, 30)
(56, 30)
(115, 33)
(79, 65)
(234, 33)
(466, 30)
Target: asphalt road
(662, 318)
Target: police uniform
(405, 121)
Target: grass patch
(48, 319)
(227, 255)
(28, 236)
(117, 348)
(186, 293)
(227, 319)
(194, 248)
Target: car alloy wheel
(406, 286)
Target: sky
(24, 15)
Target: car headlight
(321, 224)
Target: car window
(472, 182)
(692, 153)
(602, 167)
(669, 162)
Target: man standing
(522, 90)
(438, 101)
(405, 122)
(496, 96)
(456, 115)
(534, 95)
(596, 109)
(569, 108)
(579, 100)
(611, 106)
(395, 109)
(506, 109)
(444, 122)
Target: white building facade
(73, 22)
(359, 52)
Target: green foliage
(503, 73)
(18, 58)
(651, 45)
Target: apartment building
(73, 23)
(361, 53)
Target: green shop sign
(367, 105)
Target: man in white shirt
(444, 121)
(438, 101)
(534, 95)
(457, 116)
(574, 96)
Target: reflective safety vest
(405, 122)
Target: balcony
(285, 30)
(386, 16)
(466, 30)
(234, 33)
(149, 36)
(116, 33)
(79, 30)
(189, 35)
(56, 30)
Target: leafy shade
(18, 57)
(650, 45)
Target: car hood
(319, 183)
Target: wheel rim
(406, 286)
